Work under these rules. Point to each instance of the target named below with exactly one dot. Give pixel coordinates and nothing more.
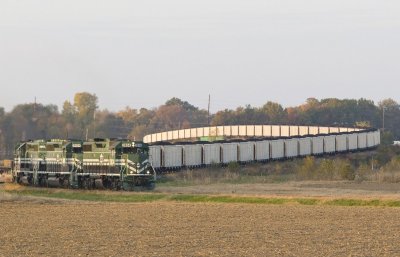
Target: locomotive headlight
(131, 172)
(148, 172)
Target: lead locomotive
(97, 163)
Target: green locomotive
(96, 163)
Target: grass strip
(357, 202)
(228, 199)
(126, 197)
(89, 196)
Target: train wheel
(87, 183)
(61, 181)
(30, 180)
(41, 181)
(151, 185)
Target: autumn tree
(86, 105)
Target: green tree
(184, 104)
(274, 112)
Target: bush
(307, 169)
(347, 171)
(325, 169)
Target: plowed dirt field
(48, 227)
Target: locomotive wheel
(42, 181)
(116, 184)
(151, 185)
(64, 182)
(30, 180)
(86, 183)
(61, 182)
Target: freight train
(125, 164)
(259, 143)
(97, 163)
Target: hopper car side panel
(193, 155)
(352, 139)
(329, 144)
(246, 151)
(341, 143)
(212, 154)
(267, 130)
(317, 145)
(242, 131)
(229, 152)
(258, 131)
(362, 140)
(285, 131)
(294, 131)
(334, 130)
(323, 130)
(250, 130)
(377, 137)
(304, 146)
(172, 156)
(227, 131)
(370, 139)
(303, 130)
(291, 148)
(276, 131)
(155, 156)
(277, 149)
(262, 150)
(313, 130)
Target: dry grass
(13, 187)
(196, 229)
(5, 178)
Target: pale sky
(140, 53)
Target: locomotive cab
(30, 158)
(133, 158)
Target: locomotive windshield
(132, 150)
(77, 149)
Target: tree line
(83, 119)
